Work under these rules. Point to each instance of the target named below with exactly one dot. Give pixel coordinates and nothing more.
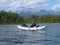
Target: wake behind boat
(31, 28)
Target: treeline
(48, 18)
(11, 18)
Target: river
(11, 35)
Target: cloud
(58, 0)
(28, 4)
(56, 7)
(35, 1)
(16, 4)
(3, 3)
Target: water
(11, 35)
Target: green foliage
(48, 18)
(10, 17)
(32, 18)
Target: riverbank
(9, 23)
(25, 23)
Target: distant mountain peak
(29, 12)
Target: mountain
(28, 12)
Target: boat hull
(31, 28)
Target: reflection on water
(11, 35)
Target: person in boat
(24, 25)
(33, 24)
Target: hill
(29, 12)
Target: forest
(15, 18)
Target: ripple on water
(10, 35)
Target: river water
(11, 35)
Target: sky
(37, 5)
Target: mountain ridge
(26, 13)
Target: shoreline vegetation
(15, 18)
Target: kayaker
(24, 25)
(33, 24)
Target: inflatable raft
(31, 28)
